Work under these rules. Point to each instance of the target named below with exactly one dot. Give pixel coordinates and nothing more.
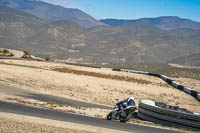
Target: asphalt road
(74, 118)
(47, 98)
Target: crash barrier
(187, 90)
(174, 116)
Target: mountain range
(165, 22)
(52, 12)
(128, 43)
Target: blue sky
(134, 9)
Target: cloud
(64, 3)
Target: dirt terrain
(101, 86)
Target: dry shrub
(100, 75)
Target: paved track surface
(47, 98)
(74, 118)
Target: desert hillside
(129, 44)
(101, 86)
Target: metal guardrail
(187, 90)
(150, 112)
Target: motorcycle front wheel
(109, 116)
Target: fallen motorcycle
(123, 115)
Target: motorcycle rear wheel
(123, 120)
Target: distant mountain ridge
(11, 15)
(52, 12)
(16, 25)
(165, 22)
(131, 43)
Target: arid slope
(103, 87)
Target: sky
(134, 9)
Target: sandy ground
(16, 53)
(93, 89)
(27, 124)
(181, 66)
(191, 83)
